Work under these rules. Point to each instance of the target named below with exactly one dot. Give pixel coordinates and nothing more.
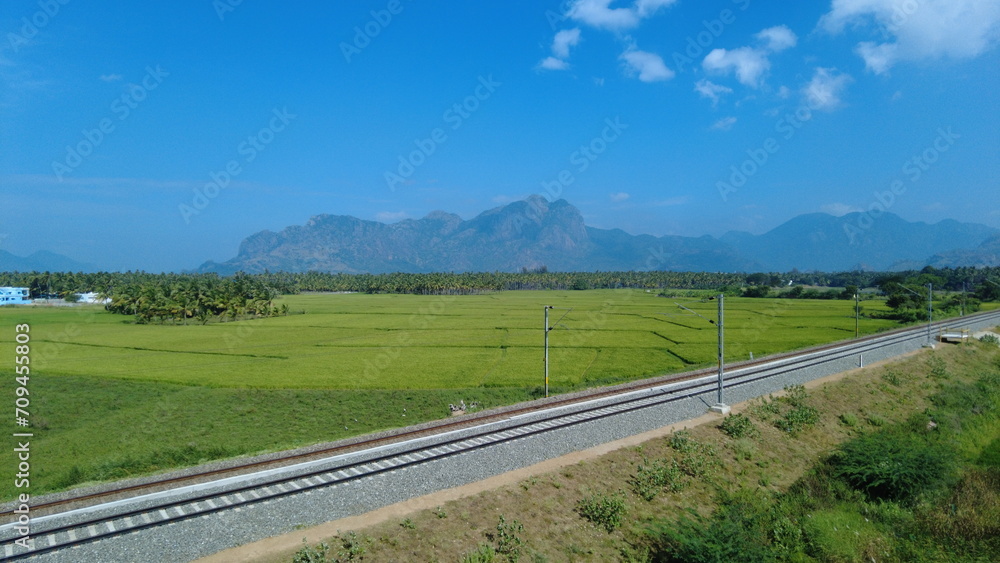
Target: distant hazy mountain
(41, 261)
(986, 254)
(854, 241)
(534, 232)
(523, 234)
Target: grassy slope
(867, 400)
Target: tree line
(251, 286)
(200, 299)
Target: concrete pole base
(720, 408)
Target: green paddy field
(112, 399)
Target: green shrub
(482, 554)
(746, 527)
(651, 478)
(353, 547)
(892, 378)
(681, 441)
(939, 370)
(849, 419)
(876, 420)
(508, 539)
(739, 426)
(311, 554)
(698, 464)
(763, 408)
(892, 466)
(797, 419)
(795, 395)
(990, 339)
(606, 511)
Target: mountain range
(41, 261)
(535, 232)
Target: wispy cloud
(564, 40)
(110, 77)
(649, 67)
(711, 90)
(724, 124)
(825, 89)
(919, 30)
(561, 45)
(777, 38)
(599, 14)
(552, 63)
(751, 64)
(619, 197)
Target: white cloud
(619, 197)
(878, 58)
(825, 89)
(724, 124)
(839, 209)
(649, 66)
(749, 64)
(564, 40)
(599, 13)
(784, 92)
(711, 90)
(920, 29)
(646, 8)
(110, 77)
(778, 38)
(552, 63)
(390, 216)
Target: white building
(14, 296)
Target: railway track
(345, 464)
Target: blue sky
(158, 135)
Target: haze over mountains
(534, 233)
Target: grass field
(111, 399)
